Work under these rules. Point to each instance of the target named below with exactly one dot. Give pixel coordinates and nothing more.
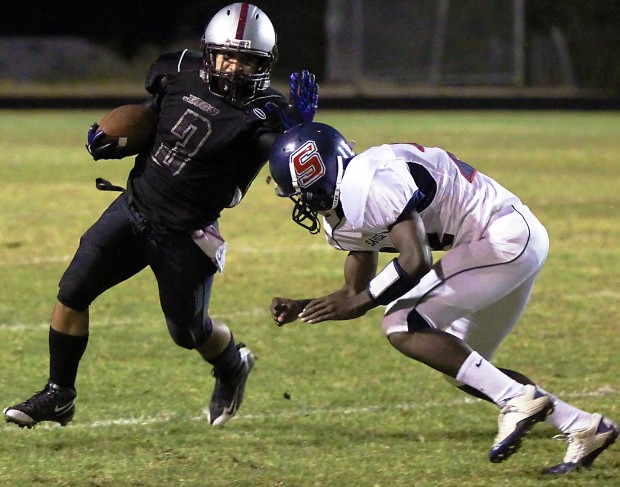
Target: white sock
(480, 374)
(567, 418)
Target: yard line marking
(253, 312)
(601, 293)
(242, 249)
(303, 412)
(54, 259)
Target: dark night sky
(593, 27)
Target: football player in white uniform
(453, 315)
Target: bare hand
(334, 308)
(284, 310)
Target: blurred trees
(128, 26)
(592, 29)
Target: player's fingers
(277, 305)
(294, 84)
(317, 317)
(315, 312)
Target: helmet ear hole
(319, 201)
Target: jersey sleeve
(167, 65)
(377, 195)
(264, 115)
(391, 191)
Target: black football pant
(122, 243)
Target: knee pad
(190, 335)
(72, 291)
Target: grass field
(326, 405)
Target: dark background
(128, 26)
(592, 28)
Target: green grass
(330, 404)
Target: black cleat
(53, 403)
(228, 392)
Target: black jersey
(205, 153)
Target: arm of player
(398, 277)
(359, 269)
(409, 238)
(352, 300)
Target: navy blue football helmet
(307, 163)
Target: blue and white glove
(304, 95)
(303, 101)
(98, 148)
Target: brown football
(131, 126)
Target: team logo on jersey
(203, 105)
(260, 114)
(308, 164)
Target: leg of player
(231, 367)
(68, 337)
(185, 276)
(587, 434)
(521, 406)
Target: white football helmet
(241, 31)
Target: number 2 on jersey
(192, 130)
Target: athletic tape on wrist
(391, 283)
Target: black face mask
(304, 216)
(232, 86)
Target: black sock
(65, 354)
(227, 363)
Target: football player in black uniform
(217, 120)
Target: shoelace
(502, 425)
(42, 397)
(575, 448)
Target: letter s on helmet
(307, 163)
(242, 31)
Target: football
(131, 126)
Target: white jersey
(455, 201)
(478, 289)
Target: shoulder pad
(169, 64)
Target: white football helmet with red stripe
(241, 31)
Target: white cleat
(516, 419)
(585, 445)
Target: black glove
(100, 149)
